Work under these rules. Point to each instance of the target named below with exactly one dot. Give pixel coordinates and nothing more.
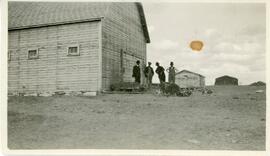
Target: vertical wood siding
(186, 79)
(122, 30)
(54, 70)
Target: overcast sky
(233, 36)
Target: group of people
(149, 73)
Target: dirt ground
(232, 118)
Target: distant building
(259, 83)
(188, 79)
(226, 80)
(67, 46)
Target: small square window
(33, 54)
(73, 50)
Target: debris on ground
(184, 92)
(204, 90)
(166, 89)
(130, 87)
(174, 90)
(59, 93)
(45, 94)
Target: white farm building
(187, 79)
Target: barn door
(127, 61)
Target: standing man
(149, 72)
(171, 70)
(161, 74)
(137, 72)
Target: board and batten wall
(122, 31)
(54, 70)
(186, 80)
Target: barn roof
(23, 15)
(226, 76)
(189, 72)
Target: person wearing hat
(171, 70)
(149, 72)
(137, 72)
(161, 75)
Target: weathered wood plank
(54, 69)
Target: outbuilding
(73, 46)
(188, 79)
(226, 80)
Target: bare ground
(232, 118)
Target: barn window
(73, 50)
(33, 54)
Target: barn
(226, 80)
(188, 79)
(73, 46)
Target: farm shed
(188, 79)
(73, 46)
(226, 80)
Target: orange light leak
(196, 45)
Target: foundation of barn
(55, 93)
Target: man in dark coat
(160, 71)
(149, 72)
(137, 72)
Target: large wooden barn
(73, 46)
(188, 79)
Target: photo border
(3, 95)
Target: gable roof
(189, 72)
(23, 15)
(27, 14)
(226, 76)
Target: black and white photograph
(139, 75)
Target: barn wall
(226, 81)
(54, 70)
(122, 31)
(186, 79)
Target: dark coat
(136, 73)
(161, 75)
(148, 69)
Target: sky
(233, 35)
